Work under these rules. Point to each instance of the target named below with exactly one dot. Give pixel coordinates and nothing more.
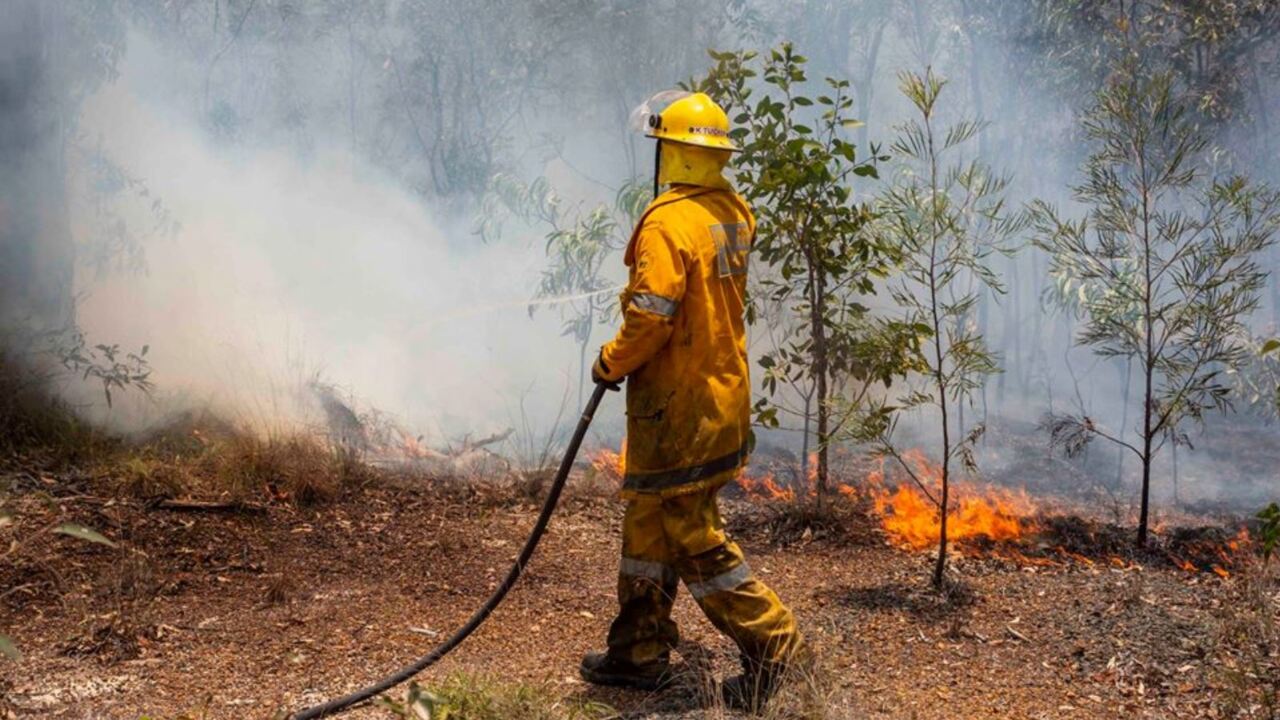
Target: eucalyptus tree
(948, 217)
(1171, 255)
(797, 169)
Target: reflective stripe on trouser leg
(643, 632)
(740, 605)
(725, 581)
(717, 575)
(658, 572)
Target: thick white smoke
(283, 269)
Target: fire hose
(345, 702)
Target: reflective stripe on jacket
(682, 345)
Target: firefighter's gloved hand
(599, 371)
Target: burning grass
(890, 504)
(985, 521)
(982, 512)
(905, 513)
(608, 464)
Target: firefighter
(682, 350)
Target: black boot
(601, 669)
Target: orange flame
(764, 487)
(412, 447)
(982, 511)
(610, 464)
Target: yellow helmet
(694, 119)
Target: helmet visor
(641, 116)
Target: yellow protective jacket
(682, 345)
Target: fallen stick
(208, 506)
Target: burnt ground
(239, 615)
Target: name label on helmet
(717, 132)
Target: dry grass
(482, 697)
(150, 478)
(831, 518)
(196, 454)
(281, 589)
(806, 692)
(298, 468)
(237, 468)
(31, 417)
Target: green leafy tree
(1171, 257)
(948, 217)
(797, 169)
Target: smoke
(283, 270)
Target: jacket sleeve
(654, 294)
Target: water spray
(474, 310)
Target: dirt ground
(243, 615)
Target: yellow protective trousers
(682, 537)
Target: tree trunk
(1148, 365)
(1149, 355)
(818, 320)
(939, 370)
(804, 438)
(1146, 490)
(940, 566)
